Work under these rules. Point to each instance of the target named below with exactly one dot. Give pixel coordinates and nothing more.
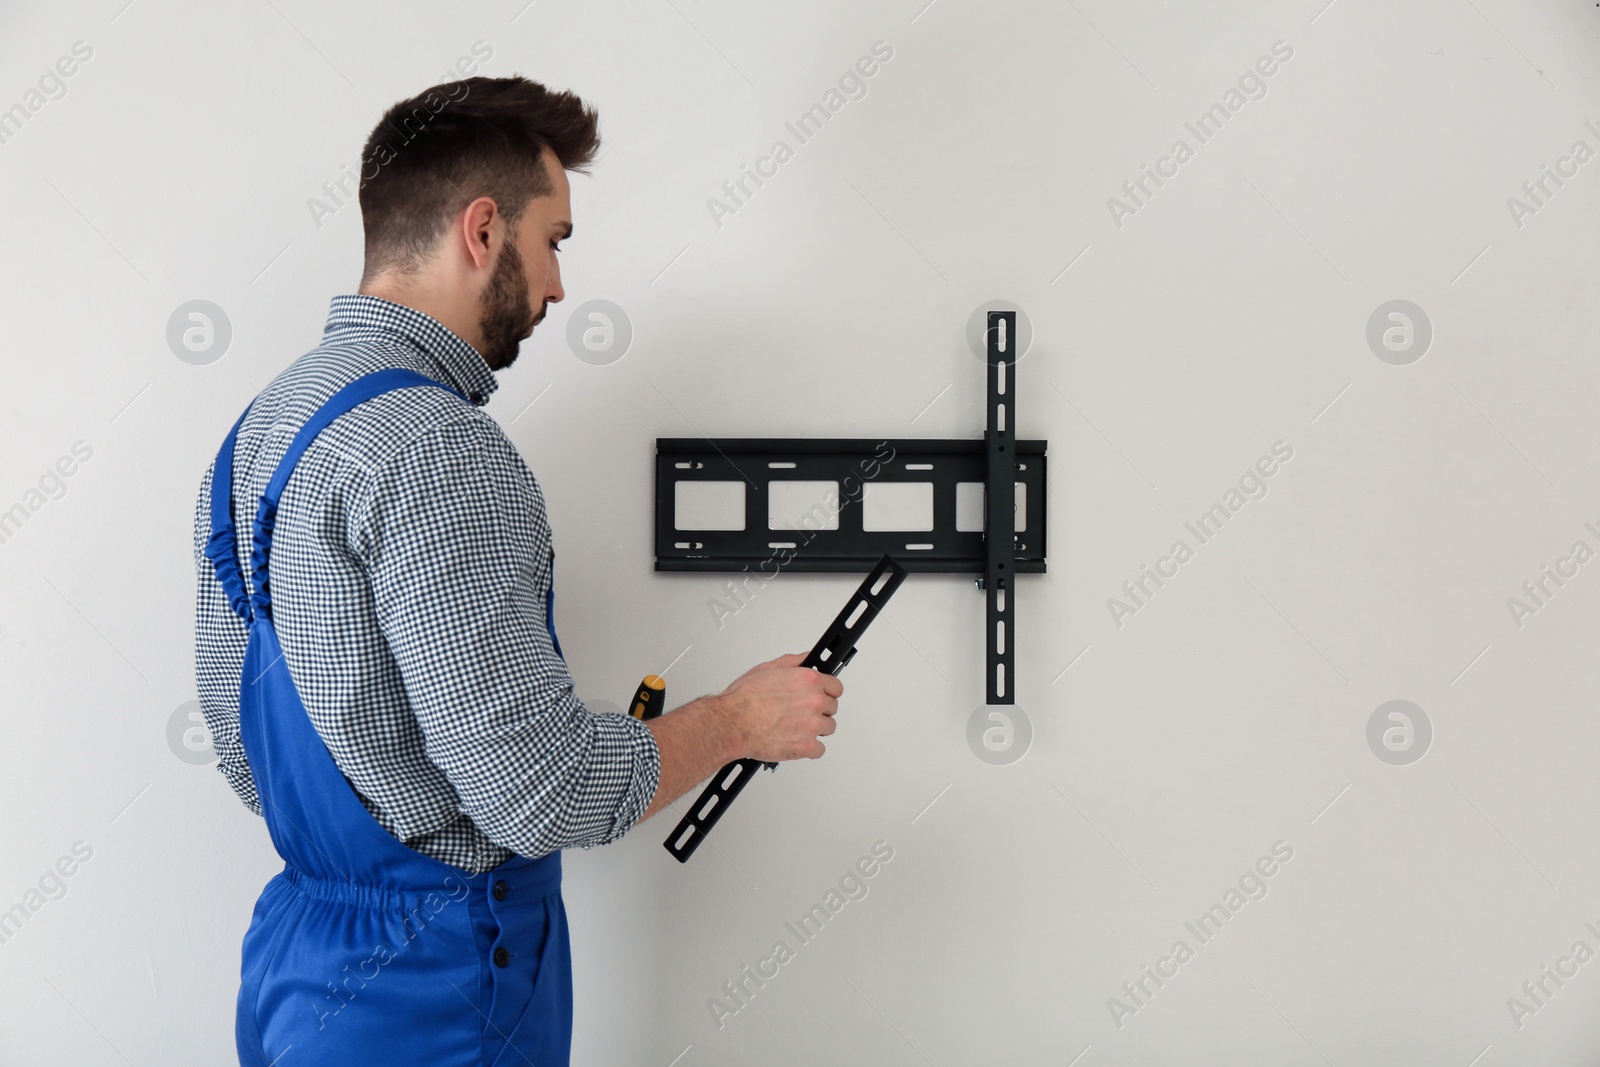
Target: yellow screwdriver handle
(651, 698)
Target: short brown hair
(432, 155)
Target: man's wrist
(723, 728)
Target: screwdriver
(650, 699)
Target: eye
(555, 246)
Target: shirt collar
(451, 360)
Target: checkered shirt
(410, 566)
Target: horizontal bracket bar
(832, 537)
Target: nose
(552, 290)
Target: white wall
(1228, 313)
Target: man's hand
(780, 709)
(775, 711)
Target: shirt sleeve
(220, 638)
(457, 546)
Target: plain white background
(1169, 753)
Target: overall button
(501, 956)
(499, 890)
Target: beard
(506, 316)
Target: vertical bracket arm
(1000, 500)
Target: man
(375, 641)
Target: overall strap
(222, 548)
(357, 392)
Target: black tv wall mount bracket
(1010, 474)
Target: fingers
(821, 701)
(827, 693)
(794, 706)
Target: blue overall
(362, 950)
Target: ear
(480, 227)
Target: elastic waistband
(399, 897)
(530, 878)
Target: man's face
(527, 271)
